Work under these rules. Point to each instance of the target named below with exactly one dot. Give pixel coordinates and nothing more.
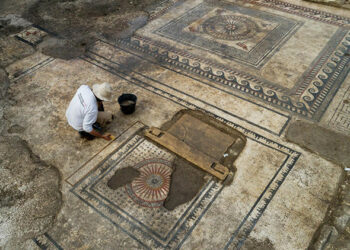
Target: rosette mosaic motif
(230, 27)
(151, 188)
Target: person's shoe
(97, 126)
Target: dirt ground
(123, 177)
(79, 22)
(185, 184)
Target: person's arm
(98, 134)
(89, 119)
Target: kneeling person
(86, 113)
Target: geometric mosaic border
(34, 68)
(161, 8)
(45, 242)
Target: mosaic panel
(136, 206)
(239, 33)
(313, 88)
(156, 227)
(32, 35)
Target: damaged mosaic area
(128, 203)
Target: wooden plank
(187, 152)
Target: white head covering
(102, 91)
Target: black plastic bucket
(127, 103)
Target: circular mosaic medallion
(230, 27)
(151, 188)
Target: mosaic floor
(253, 65)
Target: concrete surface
(255, 66)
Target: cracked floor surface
(259, 67)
